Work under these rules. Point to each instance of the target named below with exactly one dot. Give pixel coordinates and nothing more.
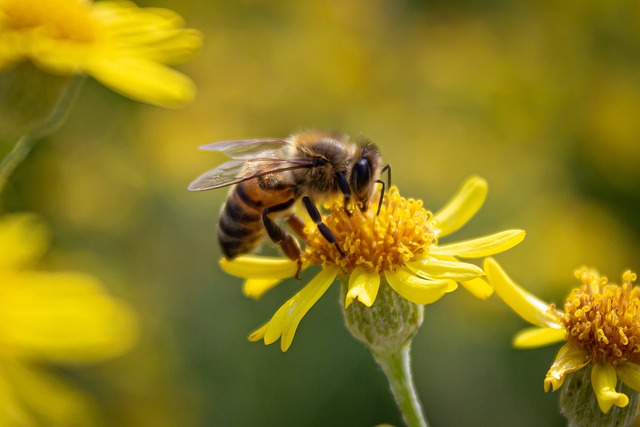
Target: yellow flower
(117, 43)
(600, 325)
(64, 318)
(400, 246)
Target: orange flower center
(604, 318)
(379, 243)
(57, 19)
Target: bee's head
(365, 173)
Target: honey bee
(269, 175)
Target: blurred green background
(540, 98)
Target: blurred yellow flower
(116, 42)
(399, 246)
(47, 317)
(600, 325)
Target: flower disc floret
(604, 319)
(377, 242)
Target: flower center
(379, 243)
(604, 318)
(58, 19)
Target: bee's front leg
(326, 232)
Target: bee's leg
(297, 224)
(324, 229)
(288, 244)
(346, 191)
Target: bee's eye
(361, 175)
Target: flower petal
(259, 267)
(53, 401)
(258, 334)
(417, 289)
(529, 307)
(538, 337)
(629, 373)
(143, 80)
(12, 409)
(482, 246)
(433, 268)
(63, 318)
(363, 286)
(255, 288)
(284, 323)
(23, 238)
(570, 358)
(478, 287)
(462, 206)
(604, 381)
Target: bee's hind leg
(288, 244)
(326, 232)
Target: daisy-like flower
(600, 325)
(124, 47)
(62, 318)
(398, 249)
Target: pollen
(384, 242)
(57, 19)
(604, 318)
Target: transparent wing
(249, 148)
(237, 171)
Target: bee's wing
(237, 171)
(248, 148)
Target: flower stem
(49, 125)
(397, 368)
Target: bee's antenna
(386, 168)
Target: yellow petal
(12, 410)
(529, 307)
(462, 206)
(433, 268)
(482, 246)
(478, 287)
(259, 267)
(416, 289)
(173, 48)
(125, 19)
(143, 80)
(255, 288)
(51, 399)
(284, 323)
(258, 334)
(629, 373)
(23, 238)
(153, 33)
(604, 381)
(570, 358)
(538, 337)
(363, 286)
(63, 318)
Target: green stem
(397, 368)
(49, 125)
(10, 163)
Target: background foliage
(540, 98)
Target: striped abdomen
(240, 228)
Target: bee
(268, 176)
